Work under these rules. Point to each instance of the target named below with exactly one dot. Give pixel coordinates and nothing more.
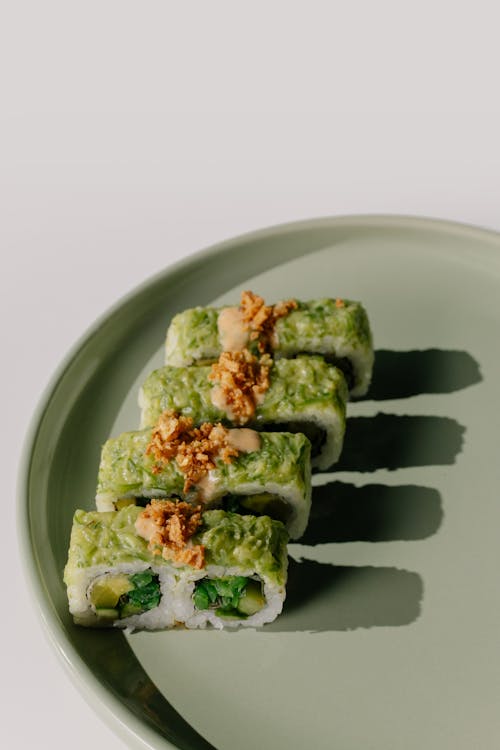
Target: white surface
(134, 133)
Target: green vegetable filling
(234, 596)
(118, 596)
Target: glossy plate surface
(390, 633)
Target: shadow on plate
(391, 441)
(372, 513)
(404, 374)
(323, 597)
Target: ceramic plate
(389, 636)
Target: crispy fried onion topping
(260, 318)
(242, 379)
(168, 527)
(195, 449)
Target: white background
(135, 133)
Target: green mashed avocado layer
(193, 336)
(126, 471)
(298, 388)
(230, 540)
(306, 327)
(106, 539)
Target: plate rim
(128, 727)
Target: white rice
(157, 618)
(186, 612)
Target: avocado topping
(118, 596)
(233, 596)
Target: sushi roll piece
(112, 578)
(305, 394)
(171, 563)
(236, 567)
(337, 329)
(244, 578)
(259, 473)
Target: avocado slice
(106, 591)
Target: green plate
(390, 633)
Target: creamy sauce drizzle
(244, 440)
(145, 527)
(207, 488)
(219, 400)
(233, 333)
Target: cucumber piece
(231, 614)
(129, 609)
(107, 613)
(252, 600)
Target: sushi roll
(112, 578)
(337, 329)
(242, 582)
(305, 394)
(170, 563)
(259, 473)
